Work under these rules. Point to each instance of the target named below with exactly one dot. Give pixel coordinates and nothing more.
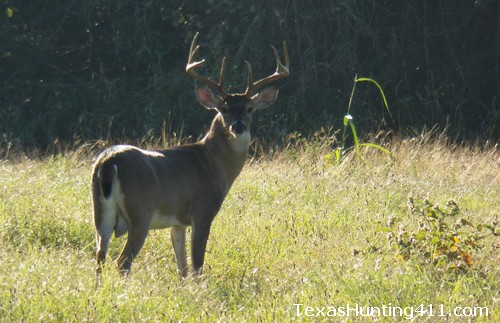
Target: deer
(136, 190)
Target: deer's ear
(264, 98)
(207, 98)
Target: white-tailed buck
(137, 190)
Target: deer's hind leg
(135, 240)
(105, 215)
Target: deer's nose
(238, 127)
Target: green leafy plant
(444, 238)
(337, 154)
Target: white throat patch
(240, 143)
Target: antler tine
(191, 65)
(249, 78)
(221, 76)
(282, 71)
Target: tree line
(89, 69)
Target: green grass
(295, 229)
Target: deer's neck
(226, 149)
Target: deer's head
(236, 109)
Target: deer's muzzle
(238, 127)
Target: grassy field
(299, 237)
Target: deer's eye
(223, 110)
(250, 110)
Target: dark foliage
(88, 69)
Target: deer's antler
(191, 65)
(282, 71)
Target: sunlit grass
(295, 229)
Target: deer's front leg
(201, 230)
(179, 243)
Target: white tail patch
(118, 198)
(114, 216)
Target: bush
(443, 239)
